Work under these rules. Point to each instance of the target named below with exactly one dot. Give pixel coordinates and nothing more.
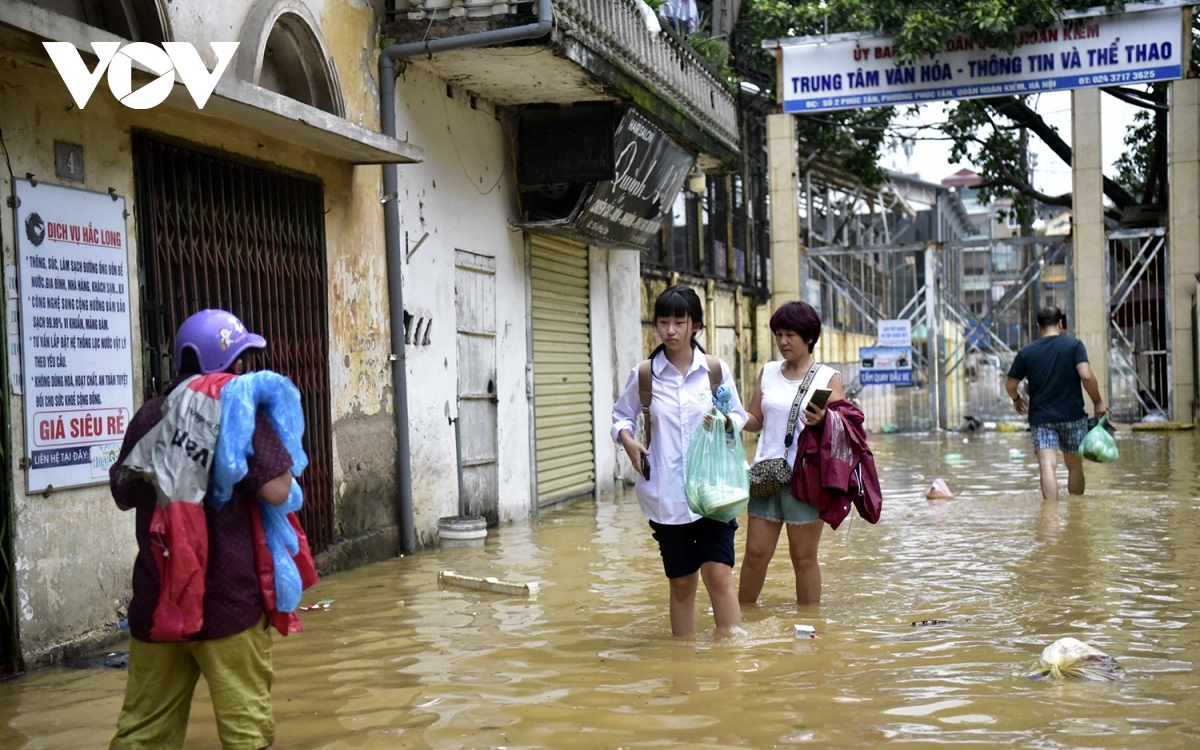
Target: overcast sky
(931, 159)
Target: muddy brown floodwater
(396, 662)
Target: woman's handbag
(772, 475)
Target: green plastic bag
(717, 483)
(1098, 445)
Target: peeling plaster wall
(74, 550)
(615, 355)
(348, 29)
(463, 196)
(600, 315)
(615, 307)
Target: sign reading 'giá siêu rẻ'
(1088, 49)
(76, 358)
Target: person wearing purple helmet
(233, 647)
(216, 339)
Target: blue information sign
(885, 365)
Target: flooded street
(397, 662)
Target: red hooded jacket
(835, 467)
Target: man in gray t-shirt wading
(1055, 366)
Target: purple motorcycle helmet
(217, 338)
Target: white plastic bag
(1068, 657)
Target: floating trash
(110, 660)
(926, 623)
(952, 458)
(804, 631)
(1072, 658)
(939, 490)
(494, 585)
(323, 604)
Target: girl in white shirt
(797, 327)
(692, 547)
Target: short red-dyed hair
(801, 319)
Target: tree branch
(1028, 190)
(1017, 111)
(1134, 97)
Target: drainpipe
(391, 231)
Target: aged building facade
(271, 201)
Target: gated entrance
(995, 331)
(964, 343)
(1139, 326)
(213, 232)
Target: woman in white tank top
(797, 327)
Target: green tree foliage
(987, 132)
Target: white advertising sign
(895, 333)
(75, 333)
(847, 71)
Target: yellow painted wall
(73, 549)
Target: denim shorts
(685, 547)
(1059, 435)
(783, 507)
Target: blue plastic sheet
(241, 399)
(283, 543)
(278, 397)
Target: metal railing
(668, 65)
(616, 30)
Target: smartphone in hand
(646, 466)
(820, 397)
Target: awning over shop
(241, 102)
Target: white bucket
(462, 531)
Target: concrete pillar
(1089, 240)
(785, 211)
(1183, 239)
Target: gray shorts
(783, 508)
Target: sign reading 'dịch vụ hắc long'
(1093, 48)
(75, 329)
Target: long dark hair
(677, 302)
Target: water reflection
(398, 662)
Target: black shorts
(685, 547)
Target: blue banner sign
(847, 71)
(885, 365)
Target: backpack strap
(646, 386)
(715, 373)
(646, 394)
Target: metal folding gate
(562, 369)
(213, 232)
(961, 353)
(1139, 325)
(1040, 276)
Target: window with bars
(215, 232)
